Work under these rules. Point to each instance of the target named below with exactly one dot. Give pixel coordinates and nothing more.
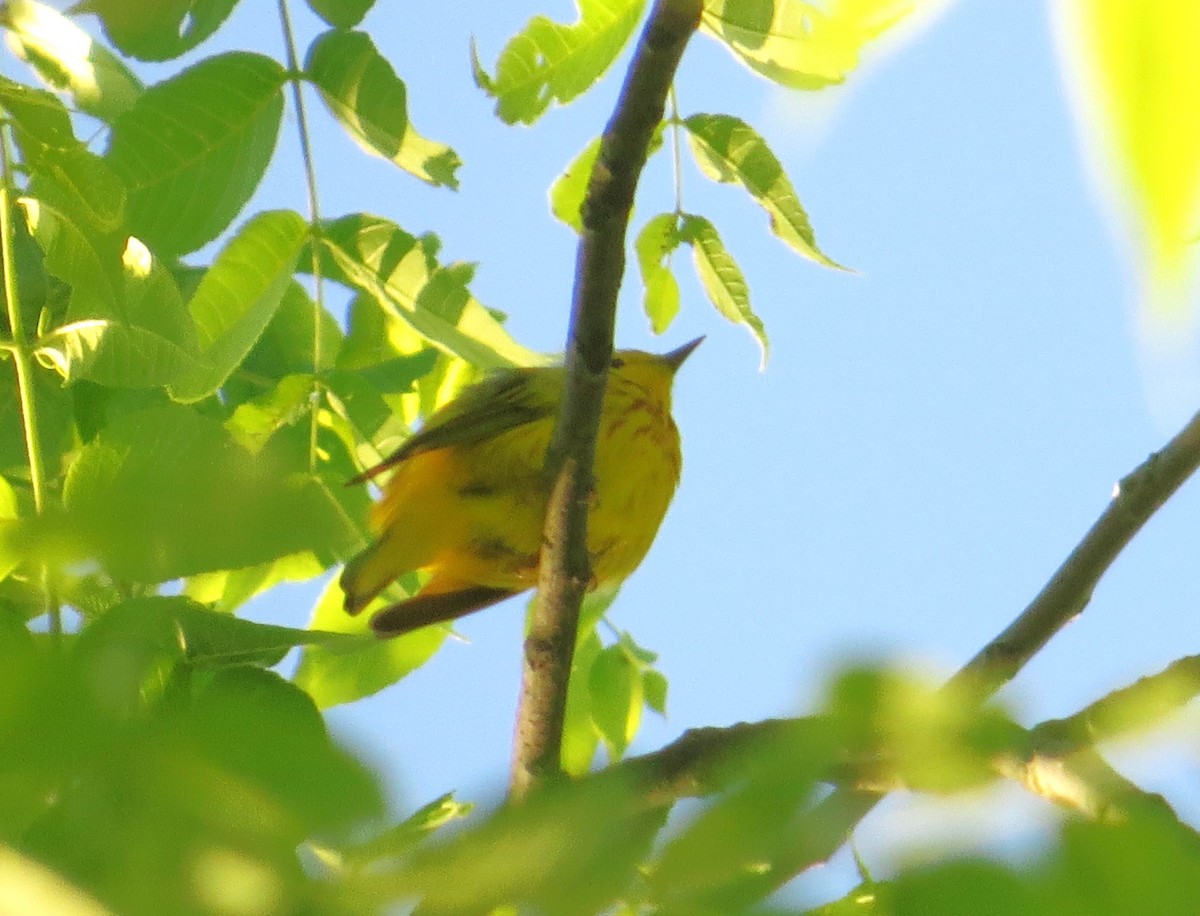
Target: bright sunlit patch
(137, 258)
(45, 32)
(229, 882)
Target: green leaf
(342, 14)
(68, 254)
(239, 295)
(721, 277)
(615, 688)
(654, 686)
(227, 590)
(378, 257)
(1132, 70)
(87, 189)
(39, 114)
(157, 30)
(572, 848)
(945, 889)
(117, 354)
(365, 95)
(790, 42)
(164, 492)
(401, 839)
(730, 150)
(551, 62)
(216, 639)
(68, 59)
(192, 149)
(570, 188)
(43, 890)
(9, 511)
(286, 344)
(716, 863)
(343, 673)
(655, 243)
(56, 430)
(255, 421)
(580, 736)
(141, 338)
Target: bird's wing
(500, 402)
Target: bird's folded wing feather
(498, 403)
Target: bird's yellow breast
(477, 511)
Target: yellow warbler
(466, 501)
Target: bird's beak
(676, 357)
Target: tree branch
(1137, 497)
(565, 572)
(1059, 761)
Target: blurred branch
(1141, 705)
(565, 572)
(1057, 759)
(1136, 498)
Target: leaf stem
(21, 352)
(676, 155)
(314, 218)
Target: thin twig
(565, 570)
(314, 218)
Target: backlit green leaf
(793, 43)
(68, 59)
(721, 277)
(192, 149)
(615, 688)
(157, 29)
(366, 96)
(81, 184)
(655, 243)
(377, 256)
(570, 188)
(551, 62)
(580, 736)
(341, 673)
(344, 14)
(238, 296)
(728, 149)
(165, 492)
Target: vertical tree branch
(565, 569)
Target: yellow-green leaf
(654, 246)
(551, 62)
(371, 102)
(729, 150)
(722, 279)
(1135, 68)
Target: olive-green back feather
(502, 401)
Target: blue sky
(931, 436)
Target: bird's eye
(617, 362)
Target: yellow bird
(466, 501)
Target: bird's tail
(435, 603)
